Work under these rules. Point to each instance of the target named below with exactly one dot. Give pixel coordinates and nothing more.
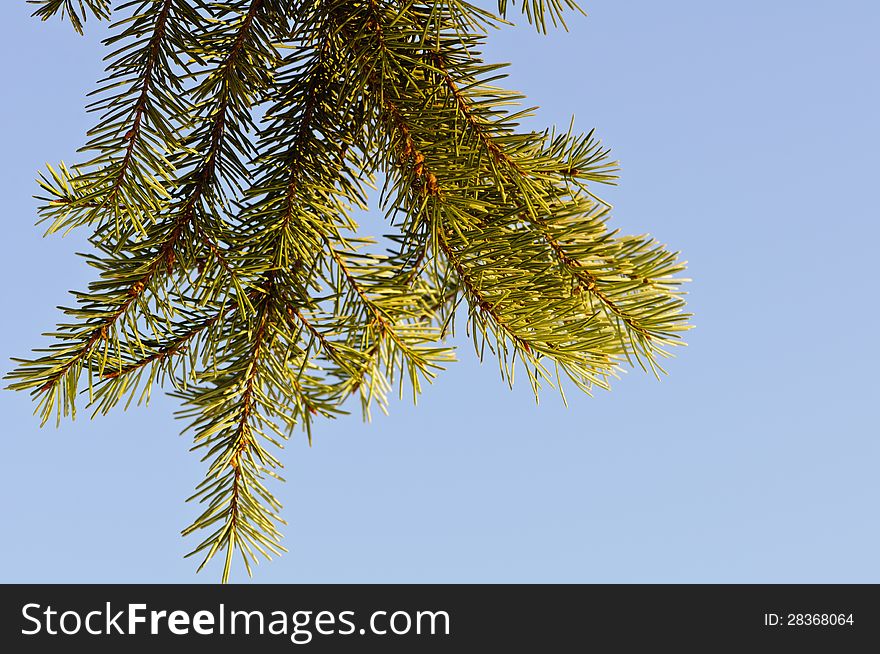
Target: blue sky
(748, 138)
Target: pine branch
(528, 194)
(132, 274)
(514, 175)
(230, 264)
(254, 527)
(125, 185)
(233, 490)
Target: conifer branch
(126, 181)
(146, 274)
(254, 527)
(230, 264)
(510, 169)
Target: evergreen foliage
(235, 139)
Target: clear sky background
(748, 134)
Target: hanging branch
(236, 140)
